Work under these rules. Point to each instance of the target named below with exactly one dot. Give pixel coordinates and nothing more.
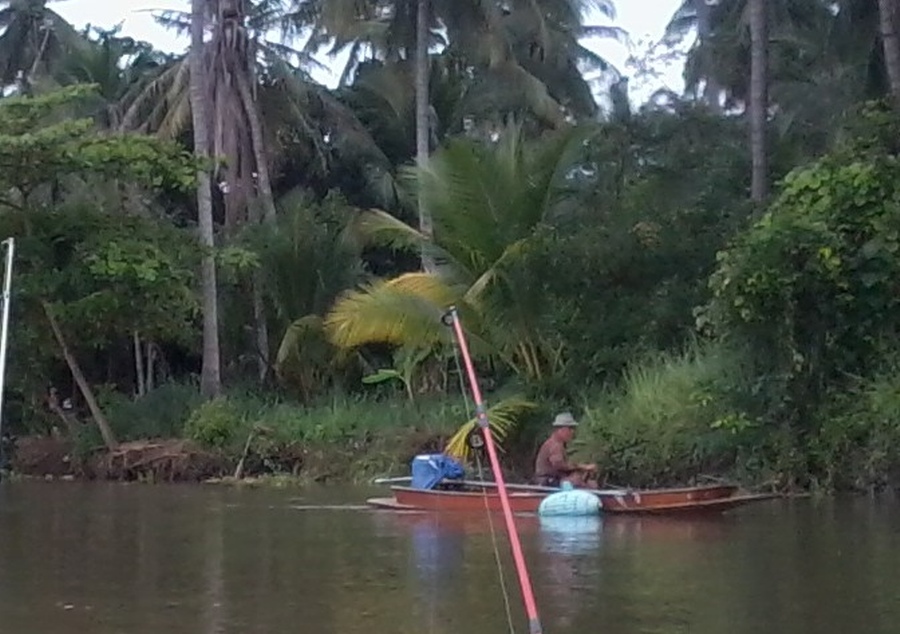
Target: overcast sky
(643, 19)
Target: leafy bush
(214, 423)
(858, 443)
(813, 289)
(673, 416)
(161, 413)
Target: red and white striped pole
(534, 621)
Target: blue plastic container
(429, 469)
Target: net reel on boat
(475, 440)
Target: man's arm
(559, 462)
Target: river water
(140, 559)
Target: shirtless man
(551, 466)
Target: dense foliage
(711, 297)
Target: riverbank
(670, 425)
(170, 435)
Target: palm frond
(502, 418)
(406, 310)
(682, 22)
(295, 344)
(377, 227)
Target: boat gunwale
(479, 494)
(696, 506)
(728, 489)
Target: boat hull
(652, 500)
(527, 499)
(467, 500)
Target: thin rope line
(503, 589)
(462, 384)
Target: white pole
(4, 325)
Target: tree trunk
(423, 129)
(264, 192)
(151, 367)
(139, 365)
(210, 374)
(86, 391)
(36, 64)
(887, 11)
(759, 99)
(264, 183)
(712, 91)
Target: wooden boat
(473, 496)
(467, 495)
(694, 500)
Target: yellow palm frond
(502, 418)
(405, 310)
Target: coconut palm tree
(239, 59)
(210, 378)
(528, 50)
(491, 203)
(34, 37)
(888, 23)
(117, 65)
(697, 15)
(723, 54)
(759, 99)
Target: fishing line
(503, 589)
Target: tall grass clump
(344, 437)
(673, 416)
(160, 413)
(857, 444)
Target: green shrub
(673, 416)
(858, 443)
(215, 423)
(161, 413)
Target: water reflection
(196, 560)
(570, 535)
(567, 543)
(437, 559)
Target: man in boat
(552, 468)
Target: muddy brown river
(138, 559)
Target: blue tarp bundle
(429, 469)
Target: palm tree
(490, 203)
(423, 33)
(530, 46)
(34, 36)
(697, 14)
(307, 258)
(887, 12)
(237, 135)
(519, 48)
(117, 65)
(210, 377)
(723, 55)
(759, 99)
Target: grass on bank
(345, 437)
(677, 417)
(670, 420)
(673, 418)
